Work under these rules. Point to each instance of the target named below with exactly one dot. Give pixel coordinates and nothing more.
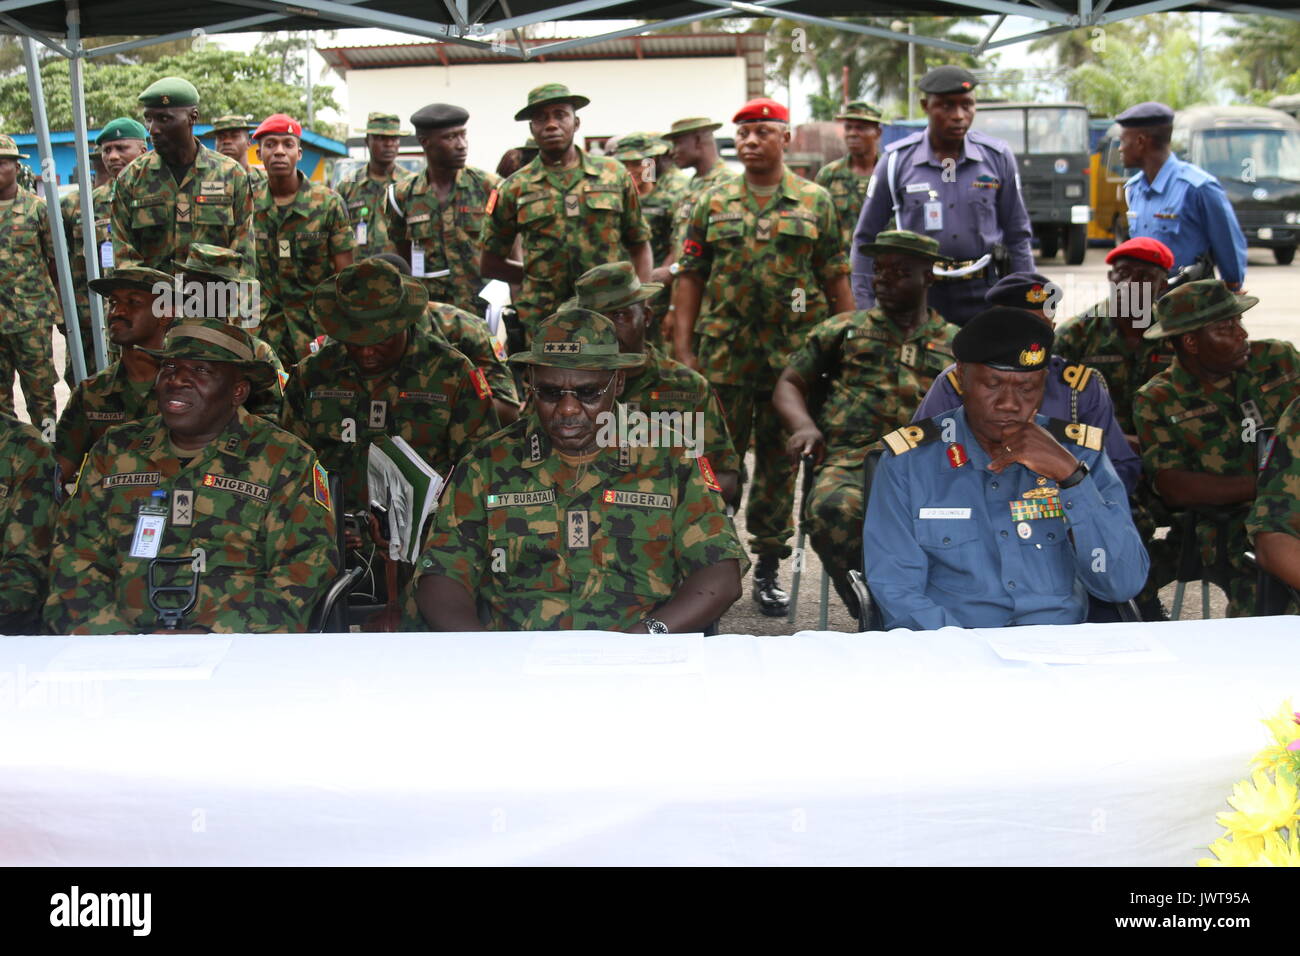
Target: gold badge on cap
(166, 100)
(1034, 355)
(1036, 294)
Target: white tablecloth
(828, 748)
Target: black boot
(771, 600)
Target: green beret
(121, 128)
(170, 91)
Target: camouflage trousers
(833, 516)
(30, 353)
(290, 334)
(770, 511)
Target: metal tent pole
(88, 244)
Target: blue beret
(1010, 340)
(1024, 290)
(947, 79)
(1146, 114)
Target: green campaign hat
(8, 148)
(860, 110)
(577, 338)
(213, 340)
(550, 93)
(1196, 305)
(129, 277)
(170, 91)
(121, 128)
(231, 121)
(384, 124)
(217, 261)
(902, 241)
(614, 285)
(639, 146)
(368, 302)
(692, 124)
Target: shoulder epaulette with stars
(1087, 436)
(912, 436)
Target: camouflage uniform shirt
(565, 231)
(875, 377)
(848, 190)
(27, 299)
(434, 399)
(366, 199)
(696, 187)
(469, 335)
(445, 232)
(102, 198)
(255, 501)
(1091, 338)
(1277, 498)
(659, 207)
(29, 496)
(764, 261)
(155, 219)
(548, 545)
(664, 385)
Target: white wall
(626, 95)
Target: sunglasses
(586, 394)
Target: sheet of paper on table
(598, 652)
(140, 657)
(1083, 645)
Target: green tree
(1266, 51)
(1127, 72)
(228, 82)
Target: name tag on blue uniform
(944, 513)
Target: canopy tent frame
(469, 28)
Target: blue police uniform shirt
(1061, 400)
(1186, 209)
(948, 544)
(980, 206)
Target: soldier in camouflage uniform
(242, 504)
(761, 266)
(303, 238)
(180, 193)
(120, 141)
(663, 386)
(639, 153)
(366, 194)
(435, 219)
(230, 134)
(846, 178)
(1197, 421)
(859, 375)
(383, 375)
(555, 523)
(573, 211)
(1274, 522)
(29, 302)
(29, 498)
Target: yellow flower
(1278, 852)
(1266, 806)
(1234, 852)
(1285, 730)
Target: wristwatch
(675, 268)
(653, 626)
(1075, 477)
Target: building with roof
(640, 82)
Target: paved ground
(1276, 316)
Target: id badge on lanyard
(149, 525)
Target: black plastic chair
(1273, 596)
(1191, 567)
(330, 616)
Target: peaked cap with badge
(550, 93)
(169, 91)
(577, 338)
(213, 340)
(1004, 338)
(368, 302)
(1196, 305)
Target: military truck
(1050, 141)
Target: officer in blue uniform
(1180, 204)
(991, 515)
(1075, 392)
(955, 185)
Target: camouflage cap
(212, 340)
(550, 93)
(907, 243)
(384, 124)
(1196, 305)
(860, 110)
(129, 277)
(614, 285)
(216, 261)
(693, 124)
(121, 128)
(170, 91)
(577, 338)
(639, 146)
(9, 149)
(368, 302)
(231, 121)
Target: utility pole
(307, 73)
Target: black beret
(1024, 290)
(1007, 339)
(947, 79)
(439, 116)
(1146, 114)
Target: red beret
(762, 109)
(279, 123)
(1145, 248)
